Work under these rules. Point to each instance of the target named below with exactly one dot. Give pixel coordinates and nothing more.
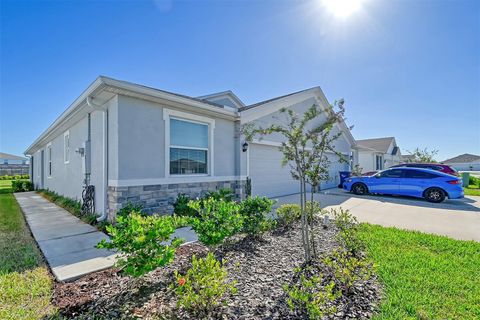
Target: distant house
(6, 158)
(378, 153)
(464, 162)
(408, 158)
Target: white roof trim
(227, 93)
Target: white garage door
(334, 172)
(268, 177)
(271, 180)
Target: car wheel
(435, 195)
(359, 188)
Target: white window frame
(184, 116)
(49, 160)
(66, 148)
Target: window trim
(49, 160)
(65, 160)
(188, 117)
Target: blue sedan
(434, 186)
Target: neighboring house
(464, 162)
(378, 153)
(407, 158)
(143, 145)
(6, 158)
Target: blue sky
(409, 69)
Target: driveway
(458, 219)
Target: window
(188, 147)
(5, 161)
(394, 173)
(66, 147)
(378, 162)
(49, 159)
(416, 174)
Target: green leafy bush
(310, 295)
(181, 207)
(347, 225)
(21, 185)
(129, 208)
(347, 269)
(474, 181)
(217, 220)
(143, 241)
(204, 286)
(288, 213)
(224, 194)
(254, 212)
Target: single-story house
(6, 158)
(143, 145)
(378, 153)
(464, 162)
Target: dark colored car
(432, 166)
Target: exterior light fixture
(245, 146)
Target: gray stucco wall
(141, 141)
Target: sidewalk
(67, 243)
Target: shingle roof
(10, 156)
(272, 99)
(463, 158)
(377, 144)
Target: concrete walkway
(67, 243)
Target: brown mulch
(260, 266)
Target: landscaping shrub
(254, 212)
(288, 213)
(143, 241)
(204, 286)
(310, 295)
(181, 207)
(218, 219)
(129, 208)
(348, 231)
(474, 181)
(21, 185)
(346, 269)
(15, 177)
(225, 194)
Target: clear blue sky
(409, 69)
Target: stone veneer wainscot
(159, 198)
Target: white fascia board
(66, 115)
(150, 92)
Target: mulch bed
(260, 267)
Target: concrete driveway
(458, 219)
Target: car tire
(435, 195)
(359, 189)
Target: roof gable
(224, 98)
(378, 144)
(463, 158)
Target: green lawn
(424, 276)
(472, 190)
(25, 283)
(5, 186)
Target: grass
(424, 276)
(5, 186)
(472, 190)
(25, 283)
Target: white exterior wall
(12, 161)
(471, 166)
(366, 160)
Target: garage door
(335, 168)
(268, 177)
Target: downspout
(104, 110)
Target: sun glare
(342, 8)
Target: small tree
(304, 150)
(423, 156)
